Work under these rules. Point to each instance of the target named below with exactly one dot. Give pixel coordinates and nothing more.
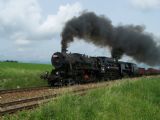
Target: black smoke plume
(124, 39)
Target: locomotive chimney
(63, 50)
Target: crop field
(137, 99)
(20, 75)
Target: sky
(30, 30)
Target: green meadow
(20, 75)
(127, 100)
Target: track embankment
(12, 101)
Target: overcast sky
(30, 29)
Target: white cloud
(20, 49)
(146, 4)
(54, 23)
(22, 42)
(22, 20)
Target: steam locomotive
(75, 68)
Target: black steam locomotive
(75, 68)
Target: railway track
(29, 103)
(13, 106)
(23, 89)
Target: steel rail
(23, 89)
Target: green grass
(19, 75)
(129, 100)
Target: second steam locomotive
(75, 68)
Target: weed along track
(16, 100)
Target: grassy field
(19, 75)
(128, 100)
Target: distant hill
(13, 61)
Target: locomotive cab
(128, 69)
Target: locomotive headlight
(102, 69)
